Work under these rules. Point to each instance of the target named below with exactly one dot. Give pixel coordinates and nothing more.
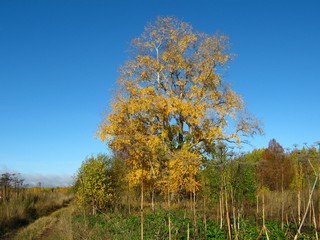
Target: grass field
(20, 210)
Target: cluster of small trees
(100, 183)
(265, 184)
(10, 185)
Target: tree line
(261, 185)
(10, 185)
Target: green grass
(70, 224)
(116, 226)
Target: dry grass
(59, 226)
(55, 226)
(19, 211)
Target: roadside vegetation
(20, 205)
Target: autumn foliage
(276, 169)
(173, 123)
(172, 103)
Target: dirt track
(55, 226)
(49, 230)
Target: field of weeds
(21, 208)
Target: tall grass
(56, 226)
(20, 210)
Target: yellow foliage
(172, 101)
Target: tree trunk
(169, 218)
(257, 212)
(264, 228)
(194, 211)
(263, 216)
(314, 221)
(94, 209)
(234, 216)
(221, 210)
(129, 200)
(299, 207)
(310, 214)
(152, 199)
(307, 209)
(141, 210)
(282, 202)
(188, 232)
(204, 214)
(227, 211)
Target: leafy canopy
(93, 184)
(172, 102)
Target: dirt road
(56, 226)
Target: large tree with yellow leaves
(172, 103)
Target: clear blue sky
(59, 61)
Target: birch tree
(93, 185)
(172, 102)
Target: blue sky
(59, 62)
